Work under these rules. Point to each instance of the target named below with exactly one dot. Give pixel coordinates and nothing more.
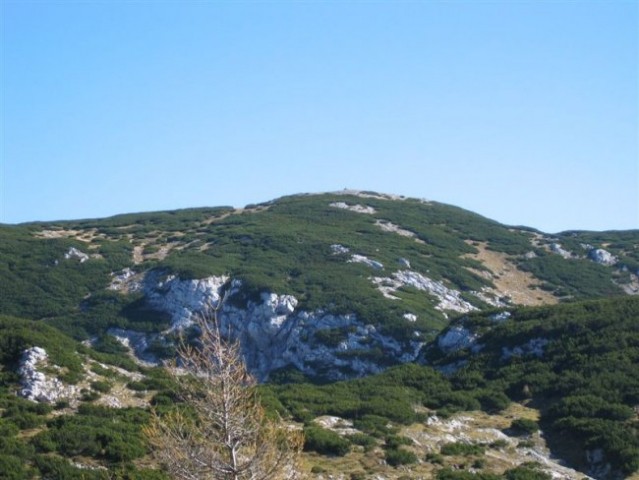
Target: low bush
(324, 441)
(460, 448)
(524, 426)
(400, 456)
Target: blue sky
(525, 112)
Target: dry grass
(501, 451)
(522, 287)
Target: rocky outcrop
(601, 256)
(338, 249)
(366, 261)
(391, 227)
(354, 208)
(456, 338)
(559, 250)
(36, 385)
(181, 299)
(273, 332)
(449, 299)
(74, 253)
(125, 281)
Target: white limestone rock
(559, 250)
(448, 298)
(182, 298)
(273, 332)
(456, 338)
(500, 317)
(355, 258)
(126, 281)
(404, 262)
(74, 253)
(602, 257)
(36, 385)
(338, 249)
(411, 317)
(138, 343)
(357, 208)
(391, 227)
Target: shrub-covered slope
(328, 286)
(578, 364)
(326, 250)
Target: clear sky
(525, 112)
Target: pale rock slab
(36, 385)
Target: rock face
(456, 338)
(449, 299)
(77, 254)
(366, 261)
(36, 385)
(181, 299)
(354, 208)
(601, 256)
(274, 333)
(559, 250)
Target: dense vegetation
(585, 384)
(285, 246)
(39, 439)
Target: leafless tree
(219, 430)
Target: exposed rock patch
(448, 298)
(559, 250)
(126, 281)
(391, 227)
(273, 332)
(38, 386)
(456, 338)
(338, 249)
(366, 261)
(74, 253)
(357, 208)
(602, 257)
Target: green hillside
(568, 352)
(284, 246)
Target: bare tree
(220, 431)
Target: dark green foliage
(400, 456)
(395, 441)
(36, 280)
(526, 471)
(361, 439)
(101, 386)
(100, 432)
(461, 448)
(12, 468)
(571, 278)
(324, 441)
(587, 375)
(55, 467)
(524, 426)
(281, 246)
(588, 372)
(17, 335)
